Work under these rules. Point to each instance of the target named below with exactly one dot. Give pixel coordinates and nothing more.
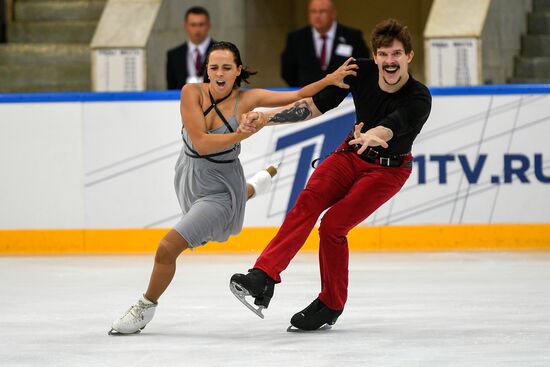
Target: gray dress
(212, 196)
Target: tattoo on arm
(301, 111)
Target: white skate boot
(135, 319)
(261, 181)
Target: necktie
(323, 54)
(198, 61)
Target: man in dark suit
(185, 63)
(319, 49)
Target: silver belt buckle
(384, 161)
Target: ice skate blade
(241, 293)
(293, 329)
(113, 332)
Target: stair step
(538, 23)
(51, 32)
(541, 5)
(74, 87)
(520, 80)
(533, 67)
(67, 1)
(58, 10)
(44, 53)
(535, 45)
(27, 78)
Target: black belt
(372, 156)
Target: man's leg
(329, 183)
(374, 187)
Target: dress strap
(209, 157)
(214, 106)
(194, 154)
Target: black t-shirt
(404, 112)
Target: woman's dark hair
(224, 45)
(385, 32)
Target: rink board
(93, 172)
(254, 239)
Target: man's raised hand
(366, 139)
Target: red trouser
(353, 189)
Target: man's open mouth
(391, 69)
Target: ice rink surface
(404, 309)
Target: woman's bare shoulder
(192, 93)
(192, 89)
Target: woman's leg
(137, 317)
(169, 248)
(260, 182)
(249, 191)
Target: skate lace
(137, 310)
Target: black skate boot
(256, 284)
(313, 317)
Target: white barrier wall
(481, 158)
(41, 165)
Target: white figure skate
(261, 181)
(135, 319)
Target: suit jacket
(299, 63)
(176, 66)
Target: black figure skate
(316, 316)
(256, 284)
